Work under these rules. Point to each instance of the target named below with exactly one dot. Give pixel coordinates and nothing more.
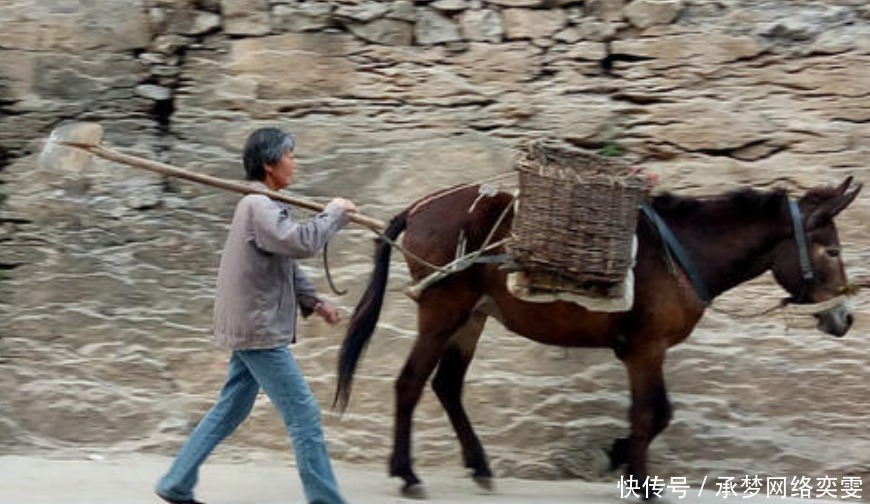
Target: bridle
(807, 275)
(803, 245)
(676, 250)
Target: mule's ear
(845, 185)
(832, 207)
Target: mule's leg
(409, 387)
(448, 383)
(649, 414)
(441, 313)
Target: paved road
(129, 480)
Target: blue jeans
(276, 371)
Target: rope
(332, 287)
(446, 268)
(781, 304)
(793, 309)
(815, 308)
(462, 260)
(458, 188)
(455, 265)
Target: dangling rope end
(332, 287)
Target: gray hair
(265, 146)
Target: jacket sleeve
(276, 232)
(306, 294)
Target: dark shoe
(170, 500)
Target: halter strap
(673, 245)
(685, 262)
(800, 237)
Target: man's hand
(346, 204)
(328, 311)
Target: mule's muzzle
(836, 320)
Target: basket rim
(559, 160)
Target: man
(259, 288)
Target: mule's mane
(740, 202)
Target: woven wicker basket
(575, 219)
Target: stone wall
(106, 274)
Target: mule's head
(819, 276)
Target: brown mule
(729, 239)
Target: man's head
(266, 147)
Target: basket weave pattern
(576, 217)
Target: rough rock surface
(107, 274)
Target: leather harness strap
(800, 237)
(676, 249)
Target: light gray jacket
(259, 282)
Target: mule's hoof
(414, 491)
(484, 482)
(618, 453)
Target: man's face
(280, 174)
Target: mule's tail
(365, 315)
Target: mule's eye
(833, 252)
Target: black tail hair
(365, 315)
